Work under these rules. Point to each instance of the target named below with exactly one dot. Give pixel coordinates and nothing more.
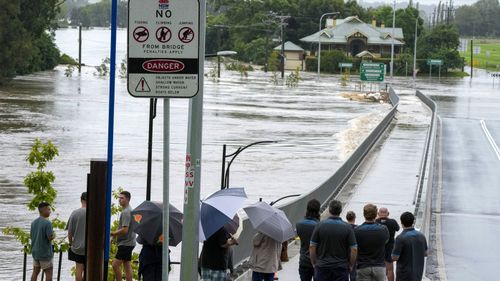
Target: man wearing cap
(42, 234)
(76, 237)
(393, 227)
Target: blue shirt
(411, 248)
(334, 240)
(305, 230)
(41, 247)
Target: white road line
(490, 138)
(439, 240)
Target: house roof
(344, 28)
(289, 46)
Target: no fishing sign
(163, 48)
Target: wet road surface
(467, 195)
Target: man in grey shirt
(125, 239)
(76, 237)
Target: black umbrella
(147, 222)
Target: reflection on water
(73, 113)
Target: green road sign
(345, 64)
(434, 62)
(372, 72)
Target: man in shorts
(393, 227)
(76, 237)
(42, 234)
(125, 239)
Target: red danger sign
(163, 66)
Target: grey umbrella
(147, 222)
(270, 221)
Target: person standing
(215, 256)
(125, 239)
(393, 227)
(351, 219)
(265, 257)
(333, 247)
(76, 237)
(410, 250)
(305, 230)
(371, 238)
(41, 234)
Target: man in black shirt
(410, 250)
(393, 227)
(371, 238)
(214, 256)
(351, 219)
(305, 229)
(333, 247)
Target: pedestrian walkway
(389, 176)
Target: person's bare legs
(34, 275)
(48, 274)
(80, 268)
(389, 267)
(127, 266)
(117, 268)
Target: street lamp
(218, 55)
(392, 37)
(319, 38)
(225, 171)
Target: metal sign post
(432, 62)
(190, 244)
(165, 60)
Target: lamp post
(218, 55)
(319, 38)
(415, 54)
(392, 37)
(225, 171)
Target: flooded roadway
(72, 112)
(466, 209)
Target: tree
(39, 184)
(26, 44)
(467, 19)
(440, 43)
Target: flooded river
(72, 112)
(313, 124)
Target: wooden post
(96, 214)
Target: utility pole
(283, 24)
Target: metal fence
(295, 209)
(424, 188)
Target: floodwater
(309, 122)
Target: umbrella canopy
(270, 221)
(218, 209)
(147, 222)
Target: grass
(489, 62)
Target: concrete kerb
(423, 205)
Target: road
(467, 198)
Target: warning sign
(163, 34)
(141, 34)
(186, 35)
(165, 63)
(142, 86)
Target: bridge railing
(295, 209)
(423, 192)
